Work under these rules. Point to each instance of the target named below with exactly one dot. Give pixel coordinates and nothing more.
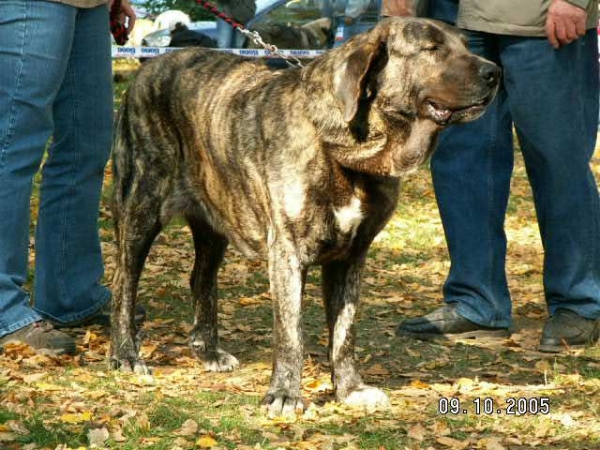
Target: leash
(256, 38)
(116, 27)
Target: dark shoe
(446, 323)
(566, 329)
(102, 318)
(41, 335)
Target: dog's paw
(367, 397)
(214, 361)
(281, 405)
(223, 362)
(130, 365)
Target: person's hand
(397, 8)
(565, 23)
(126, 12)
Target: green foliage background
(190, 7)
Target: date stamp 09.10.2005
(512, 406)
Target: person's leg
(471, 171)
(445, 10)
(34, 37)
(349, 31)
(554, 102)
(224, 34)
(553, 99)
(69, 264)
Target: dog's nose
(490, 73)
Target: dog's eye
(429, 47)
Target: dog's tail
(122, 159)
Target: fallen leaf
(16, 427)
(17, 349)
(464, 385)
(32, 378)
(148, 350)
(318, 386)
(377, 369)
(452, 443)
(419, 384)
(143, 422)
(7, 437)
(416, 432)
(247, 301)
(48, 387)
(85, 416)
(97, 437)
(543, 366)
(89, 337)
(117, 435)
(181, 443)
(189, 428)
(206, 442)
(490, 444)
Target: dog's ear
(350, 83)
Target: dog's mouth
(444, 115)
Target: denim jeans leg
(553, 97)
(31, 56)
(69, 265)
(471, 172)
(224, 34)
(444, 10)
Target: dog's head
(417, 69)
(405, 80)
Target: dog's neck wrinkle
(389, 140)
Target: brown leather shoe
(41, 335)
(446, 323)
(566, 329)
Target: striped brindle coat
(300, 166)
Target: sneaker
(566, 329)
(41, 335)
(102, 318)
(446, 323)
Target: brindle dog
(301, 166)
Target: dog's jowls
(300, 166)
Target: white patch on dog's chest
(293, 198)
(349, 217)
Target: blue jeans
(551, 98)
(55, 79)
(227, 37)
(445, 10)
(224, 34)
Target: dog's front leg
(341, 291)
(286, 276)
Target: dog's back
(213, 102)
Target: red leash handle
(117, 28)
(213, 9)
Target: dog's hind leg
(341, 290)
(138, 224)
(204, 340)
